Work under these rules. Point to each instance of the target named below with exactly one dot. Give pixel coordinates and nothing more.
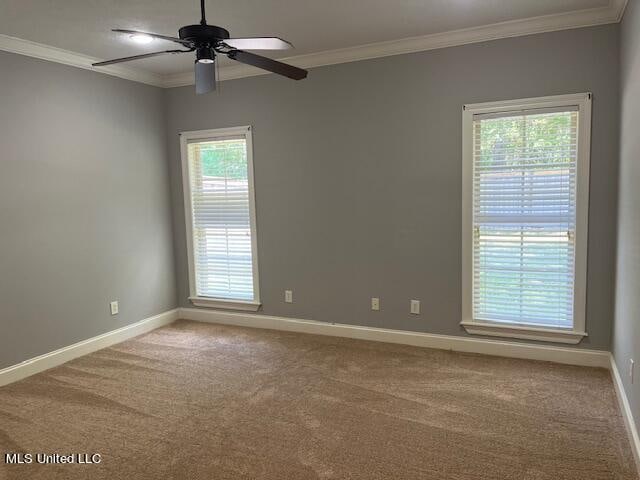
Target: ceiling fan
(209, 40)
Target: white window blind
(524, 216)
(221, 195)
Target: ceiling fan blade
(137, 57)
(258, 43)
(205, 77)
(154, 35)
(268, 64)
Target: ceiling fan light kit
(208, 41)
(205, 55)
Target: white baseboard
(62, 355)
(571, 356)
(625, 408)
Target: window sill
(526, 333)
(247, 306)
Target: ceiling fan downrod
(203, 20)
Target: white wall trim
(247, 306)
(210, 135)
(62, 355)
(619, 6)
(571, 356)
(484, 326)
(514, 28)
(526, 333)
(625, 409)
(66, 57)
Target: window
(220, 216)
(525, 200)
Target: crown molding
(618, 6)
(66, 57)
(513, 28)
(612, 13)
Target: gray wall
(626, 331)
(358, 174)
(84, 206)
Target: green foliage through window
(224, 159)
(543, 139)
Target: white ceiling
(83, 26)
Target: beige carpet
(198, 401)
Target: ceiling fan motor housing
(203, 34)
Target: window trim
(514, 330)
(209, 302)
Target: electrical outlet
(114, 307)
(375, 303)
(288, 296)
(631, 365)
(415, 307)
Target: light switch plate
(114, 307)
(415, 307)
